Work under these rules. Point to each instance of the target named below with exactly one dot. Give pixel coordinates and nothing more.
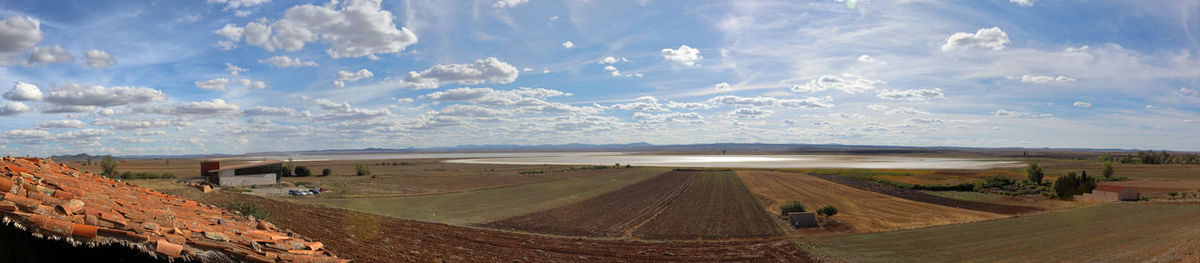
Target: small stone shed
(1112, 193)
(802, 219)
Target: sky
(236, 76)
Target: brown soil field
(612, 214)
(716, 206)
(371, 238)
(861, 211)
(928, 198)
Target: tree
(326, 172)
(1072, 184)
(1107, 170)
(1035, 173)
(109, 165)
(360, 169)
(302, 171)
(794, 206)
(290, 164)
(828, 210)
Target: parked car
(314, 191)
(293, 192)
(323, 189)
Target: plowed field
(716, 206)
(608, 215)
(860, 210)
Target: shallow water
(752, 161)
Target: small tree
(285, 172)
(1034, 172)
(302, 171)
(1107, 170)
(109, 165)
(794, 206)
(290, 164)
(828, 210)
(360, 169)
(326, 172)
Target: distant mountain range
(716, 148)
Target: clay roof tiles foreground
(54, 199)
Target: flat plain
(860, 210)
(716, 206)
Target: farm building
(802, 219)
(1111, 193)
(256, 173)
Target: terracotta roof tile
(60, 200)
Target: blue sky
(233, 76)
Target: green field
(493, 204)
(1110, 233)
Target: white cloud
(922, 121)
(906, 111)
(1025, 3)
(234, 70)
(877, 107)
(27, 136)
(459, 110)
(253, 84)
(1044, 79)
(866, 58)
(218, 84)
(683, 55)
(343, 76)
(568, 45)
(643, 103)
(71, 109)
(808, 103)
(1082, 104)
(22, 91)
(232, 4)
(688, 105)
(992, 38)
(128, 124)
(613, 60)
(487, 96)
(912, 94)
(360, 28)
(847, 83)
(677, 117)
(1017, 114)
(287, 62)
(512, 3)
(48, 55)
(61, 124)
(1187, 91)
(722, 87)
(13, 108)
(489, 70)
(196, 108)
(272, 111)
(84, 136)
(98, 59)
(19, 33)
(79, 95)
(232, 34)
(749, 113)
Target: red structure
(208, 166)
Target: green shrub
(326, 172)
(360, 170)
(1107, 170)
(828, 210)
(1071, 184)
(794, 206)
(1035, 173)
(302, 171)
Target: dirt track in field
(371, 238)
(716, 206)
(609, 215)
(860, 210)
(928, 198)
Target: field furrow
(716, 206)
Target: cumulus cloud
(510, 3)
(677, 117)
(354, 28)
(27, 136)
(136, 124)
(61, 124)
(683, 55)
(1044, 79)
(612, 70)
(234, 70)
(491, 97)
(688, 105)
(343, 76)
(219, 84)
(459, 110)
(847, 83)
(1025, 3)
(912, 94)
(19, 33)
(13, 108)
(722, 87)
(488, 70)
(287, 62)
(1081, 104)
(272, 111)
(84, 136)
(866, 58)
(807, 103)
(98, 59)
(253, 84)
(22, 91)
(568, 45)
(922, 121)
(68, 109)
(992, 38)
(232, 34)
(1016, 114)
(196, 108)
(612, 60)
(749, 113)
(232, 4)
(72, 94)
(643, 103)
(906, 111)
(47, 55)
(877, 107)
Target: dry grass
(862, 211)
